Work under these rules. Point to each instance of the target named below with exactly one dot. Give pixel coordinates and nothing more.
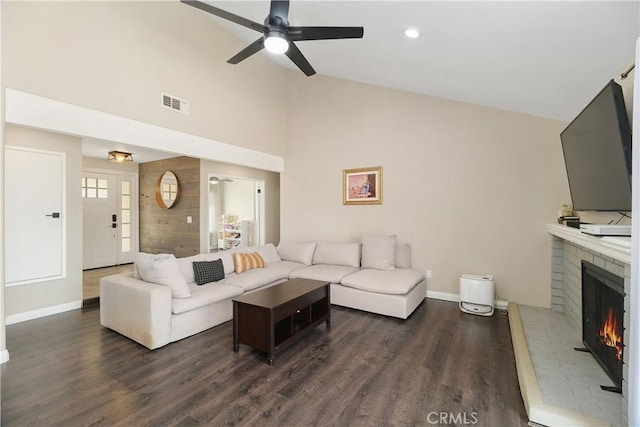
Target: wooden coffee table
(272, 319)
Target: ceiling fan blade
(325, 33)
(298, 58)
(280, 8)
(254, 47)
(225, 15)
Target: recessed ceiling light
(412, 33)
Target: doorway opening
(110, 223)
(236, 212)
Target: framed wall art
(362, 186)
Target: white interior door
(100, 220)
(34, 215)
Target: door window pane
(126, 245)
(125, 215)
(95, 188)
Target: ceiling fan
(277, 35)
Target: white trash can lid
(477, 277)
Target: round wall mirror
(167, 190)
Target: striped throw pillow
(247, 261)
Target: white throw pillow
(226, 257)
(379, 252)
(268, 252)
(297, 251)
(337, 254)
(403, 255)
(163, 269)
(186, 267)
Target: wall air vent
(175, 104)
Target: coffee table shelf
(272, 319)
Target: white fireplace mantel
(618, 248)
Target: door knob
(54, 215)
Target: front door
(100, 220)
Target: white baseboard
(499, 304)
(443, 296)
(42, 312)
(502, 304)
(4, 356)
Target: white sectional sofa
(374, 276)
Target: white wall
(469, 187)
(103, 164)
(239, 199)
(66, 292)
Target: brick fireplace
(570, 251)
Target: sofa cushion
(225, 256)
(403, 255)
(252, 279)
(285, 267)
(297, 251)
(396, 282)
(163, 269)
(247, 261)
(347, 254)
(208, 271)
(186, 266)
(205, 295)
(326, 273)
(379, 252)
(268, 252)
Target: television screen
(597, 154)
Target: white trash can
(477, 294)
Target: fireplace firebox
(602, 319)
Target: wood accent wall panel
(167, 230)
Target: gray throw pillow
(208, 271)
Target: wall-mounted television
(597, 154)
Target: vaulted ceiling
(546, 58)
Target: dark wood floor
(438, 367)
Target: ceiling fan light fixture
(119, 156)
(276, 42)
(412, 33)
(217, 180)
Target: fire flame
(609, 335)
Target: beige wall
(471, 188)
(117, 57)
(271, 197)
(103, 164)
(35, 296)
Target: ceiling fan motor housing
(277, 36)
